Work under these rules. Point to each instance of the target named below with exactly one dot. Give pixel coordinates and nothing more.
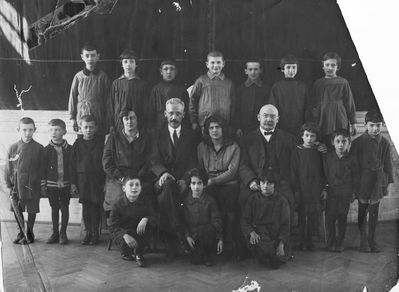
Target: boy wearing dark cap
(265, 223)
(166, 89)
(373, 153)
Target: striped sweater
(56, 165)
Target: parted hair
(57, 122)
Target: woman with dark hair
(219, 156)
(125, 154)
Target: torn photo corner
(65, 16)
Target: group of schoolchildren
(326, 168)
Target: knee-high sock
(64, 217)
(31, 221)
(55, 216)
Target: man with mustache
(174, 152)
(266, 150)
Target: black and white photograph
(199, 145)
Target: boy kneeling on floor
(129, 220)
(265, 224)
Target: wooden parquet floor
(84, 268)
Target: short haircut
(174, 101)
(57, 122)
(196, 172)
(88, 118)
(129, 178)
(128, 54)
(215, 54)
(373, 116)
(168, 62)
(88, 47)
(253, 61)
(288, 59)
(27, 121)
(332, 55)
(310, 127)
(215, 119)
(340, 132)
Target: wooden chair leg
(109, 244)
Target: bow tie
(268, 133)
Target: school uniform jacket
(22, 173)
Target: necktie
(267, 133)
(175, 138)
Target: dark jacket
(121, 158)
(50, 174)
(375, 165)
(272, 212)
(176, 162)
(22, 173)
(253, 156)
(200, 212)
(126, 215)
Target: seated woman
(219, 156)
(125, 154)
(129, 221)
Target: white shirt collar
(172, 130)
(267, 137)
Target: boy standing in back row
(251, 96)
(164, 90)
(213, 93)
(89, 91)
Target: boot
(54, 238)
(63, 236)
(95, 238)
(373, 218)
(86, 240)
(30, 236)
(364, 247)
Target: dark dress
(88, 171)
(290, 97)
(333, 102)
(307, 178)
(128, 95)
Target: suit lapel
(261, 147)
(167, 142)
(181, 143)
